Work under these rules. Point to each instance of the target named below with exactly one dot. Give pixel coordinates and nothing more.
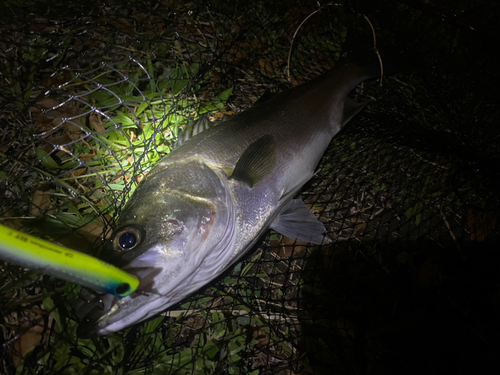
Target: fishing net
(94, 94)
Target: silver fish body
(208, 202)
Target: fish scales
(208, 202)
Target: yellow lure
(31, 252)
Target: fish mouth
(98, 313)
(103, 315)
(108, 314)
(89, 308)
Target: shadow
(422, 308)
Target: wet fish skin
(204, 205)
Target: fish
(31, 252)
(203, 206)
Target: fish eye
(127, 238)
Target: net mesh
(95, 94)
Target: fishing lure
(31, 252)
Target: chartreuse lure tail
(31, 252)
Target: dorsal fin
(195, 127)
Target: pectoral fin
(296, 221)
(256, 162)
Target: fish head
(174, 234)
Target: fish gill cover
(94, 94)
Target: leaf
(179, 85)
(31, 338)
(151, 325)
(121, 24)
(152, 86)
(74, 220)
(124, 119)
(266, 68)
(217, 103)
(211, 349)
(39, 202)
(103, 98)
(96, 122)
(130, 86)
(193, 69)
(118, 187)
(45, 159)
(415, 212)
(48, 304)
(480, 224)
(142, 107)
(225, 95)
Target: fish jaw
(102, 319)
(187, 215)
